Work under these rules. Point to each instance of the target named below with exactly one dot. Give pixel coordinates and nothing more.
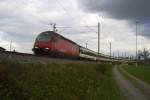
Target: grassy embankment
(53, 80)
(142, 72)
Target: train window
(44, 37)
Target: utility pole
(136, 46)
(118, 53)
(122, 55)
(98, 38)
(113, 54)
(86, 44)
(54, 26)
(110, 49)
(10, 45)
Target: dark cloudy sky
(129, 10)
(22, 20)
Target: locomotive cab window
(44, 37)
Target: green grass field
(142, 72)
(56, 80)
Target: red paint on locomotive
(54, 43)
(65, 47)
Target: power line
(87, 31)
(89, 27)
(70, 14)
(67, 27)
(71, 3)
(62, 27)
(64, 9)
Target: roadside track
(142, 85)
(127, 88)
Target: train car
(86, 53)
(52, 43)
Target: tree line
(143, 54)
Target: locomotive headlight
(47, 48)
(36, 47)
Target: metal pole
(86, 44)
(54, 27)
(122, 55)
(136, 46)
(98, 38)
(113, 54)
(118, 53)
(10, 45)
(110, 49)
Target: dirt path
(142, 85)
(129, 90)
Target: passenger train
(54, 44)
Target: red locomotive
(52, 43)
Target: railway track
(16, 53)
(8, 53)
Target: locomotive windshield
(44, 37)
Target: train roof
(51, 32)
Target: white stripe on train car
(87, 56)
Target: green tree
(143, 54)
(146, 53)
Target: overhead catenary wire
(71, 3)
(71, 15)
(66, 27)
(65, 9)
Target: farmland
(42, 79)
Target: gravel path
(129, 90)
(145, 87)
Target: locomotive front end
(42, 43)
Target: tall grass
(56, 80)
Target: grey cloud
(131, 10)
(120, 9)
(23, 20)
(18, 21)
